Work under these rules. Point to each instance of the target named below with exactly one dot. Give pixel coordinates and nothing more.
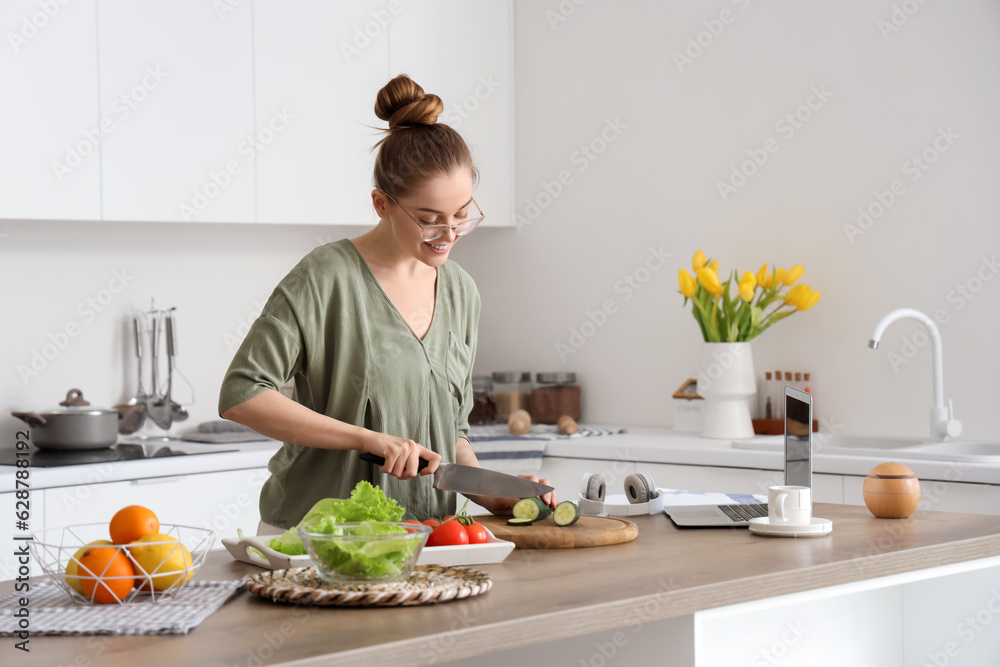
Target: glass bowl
(364, 552)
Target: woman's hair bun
(415, 147)
(403, 103)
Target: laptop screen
(798, 440)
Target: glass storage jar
(555, 395)
(484, 406)
(512, 390)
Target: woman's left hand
(503, 506)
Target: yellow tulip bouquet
(727, 319)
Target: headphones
(639, 487)
(595, 487)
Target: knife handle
(379, 461)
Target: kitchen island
(874, 592)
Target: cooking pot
(77, 425)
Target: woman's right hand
(402, 456)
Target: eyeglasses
(430, 232)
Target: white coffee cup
(789, 505)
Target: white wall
(217, 276)
(654, 186)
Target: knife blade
(476, 481)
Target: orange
(71, 567)
(132, 522)
(163, 559)
(114, 574)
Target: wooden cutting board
(588, 531)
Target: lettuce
(367, 503)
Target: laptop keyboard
(743, 513)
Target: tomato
(448, 534)
(431, 522)
(477, 533)
(410, 530)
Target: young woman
(378, 333)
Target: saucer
(816, 527)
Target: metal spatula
(177, 411)
(156, 405)
(133, 413)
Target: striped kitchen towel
(498, 450)
(51, 612)
(523, 457)
(543, 432)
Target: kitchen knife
(475, 481)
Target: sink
(955, 450)
(960, 450)
(831, 444)
(878, 447)
(851, 444)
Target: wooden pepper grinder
(891, 491)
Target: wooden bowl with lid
(891, 491)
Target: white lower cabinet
(10, 560)
(939, 496)
(706, 479)
(566, 474)
(221, 501)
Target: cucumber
(519, 522)
(531, 508)
(566, 513)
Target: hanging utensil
(133, 415)
(156, 407)
(177, 411)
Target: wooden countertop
(539, 596)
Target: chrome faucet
(943, 423)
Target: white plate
(493, 551)
(816, 527)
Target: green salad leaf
(367, 503)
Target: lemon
(71, 568)
(163, 558)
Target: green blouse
(329, 327)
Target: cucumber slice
(531, 508)
(519, 522)
(566, 513)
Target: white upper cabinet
(462, 51)
(237, 110)
(322, 63)
(50, 164)
(176, 83)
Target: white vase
(727, 383)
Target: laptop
(798, 470)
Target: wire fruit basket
(57, 548)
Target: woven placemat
(428, 584)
